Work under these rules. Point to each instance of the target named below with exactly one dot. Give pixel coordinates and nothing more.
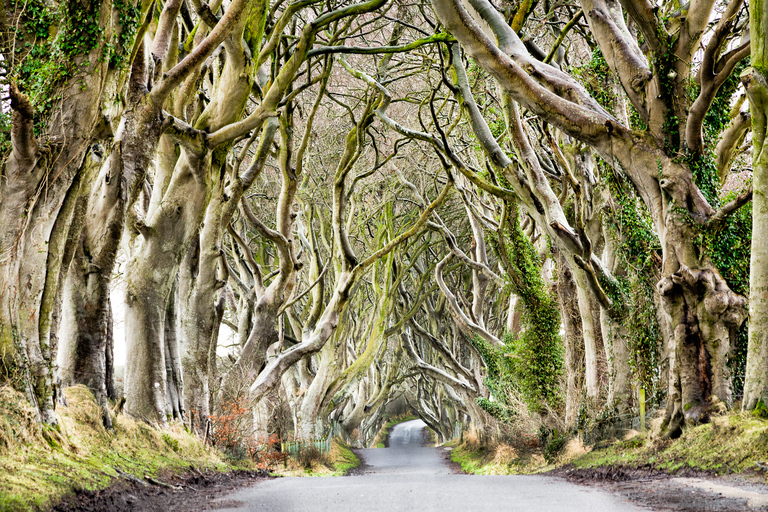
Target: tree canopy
(500, 214)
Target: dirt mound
(685, 491)
(193, 490)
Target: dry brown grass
(573, 449)
(505, 454)
(18, 423)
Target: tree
(698, 302)
(756, 383)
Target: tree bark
(756, 383)
(39, 186)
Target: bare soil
(685, 491)
(193, 490)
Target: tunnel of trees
(496, 214)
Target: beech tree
(382, 200)
(659, 160)
(756, 383)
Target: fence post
(642, 409)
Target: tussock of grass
(38, 467)
(337, 462)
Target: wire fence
(323, 445)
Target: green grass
(40, 467)
(471, 461)
(345, 460)
(733, 443)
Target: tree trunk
(174, 380)
(756, 382)
(574, 344)
(589, 329)
(39, 186)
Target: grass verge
(500, 459)
(38, 468)
(735, 443)
(732, 443)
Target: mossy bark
(756, 383)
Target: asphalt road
(407, 476)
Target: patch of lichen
(38, 467)
(732, 443)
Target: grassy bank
(497, 459)
(733, 443)
(40, 467)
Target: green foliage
(53, 38)
(598, 79)
(704, 171)
(637, 248)
(717, 117)
(81, 31)
(5, 134)
(532, 362)
(38, 75)
(663, 63)
(729, 246)
(555, 445)
(129, 17)
(495, 409)
(39, 19)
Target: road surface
(407, 476)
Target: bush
(310, 457)
(232, 433)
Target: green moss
(760, 410)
